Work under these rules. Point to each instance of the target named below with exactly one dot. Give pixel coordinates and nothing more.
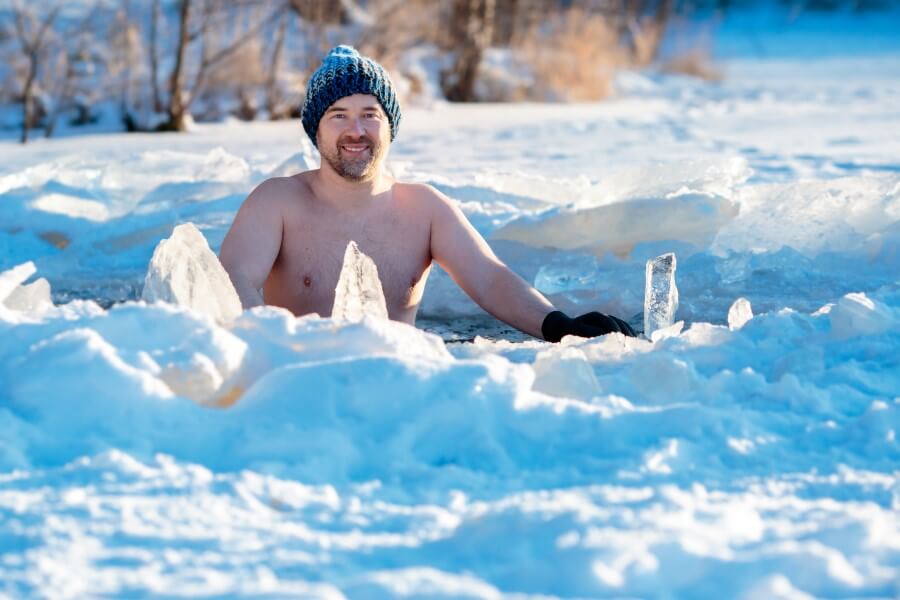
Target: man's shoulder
(278, 187)
(277, 191)
(422, 192)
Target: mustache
(349, 139)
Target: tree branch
(210, 61)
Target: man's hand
(557, 325)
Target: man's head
(351, 113)
(349, 83)
(353, 137)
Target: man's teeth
(354, 148)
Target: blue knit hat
(345, 72)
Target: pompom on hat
(345, 72)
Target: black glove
(558, 324)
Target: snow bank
(641, 466)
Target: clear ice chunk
(31, 298)
(13, 278)
(358, 293)
(739, 313)
(185, 272)
(734, 268)
(660, 294)
(569, 273)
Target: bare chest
(307, 269)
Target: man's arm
(252, 244)
(467, 258)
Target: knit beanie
(345, 72)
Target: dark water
(466, 329)
(108, 292)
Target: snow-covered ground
(369, 460)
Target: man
(287, 242)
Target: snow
(152, 449)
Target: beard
(355, 168)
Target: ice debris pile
(693, 219)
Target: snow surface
(149, 450)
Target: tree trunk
(28, 100)
(28, 120)
(154, 57)
(272, 95)
(177, 109)
(471, 30)
(32, 45)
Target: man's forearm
(249, 295)
(509, 298)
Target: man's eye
(371, 115)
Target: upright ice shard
(660, 294)
(739, 313)
(358, 292)
(185, 272)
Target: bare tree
(202, 17)
(73, 79)
(386, 36)
(273, 95)
(316, 16)
(320, 11)
(155, 17)
(177, 106)
(471, 31)
(34, 35)
(124, 65)
(642, 25)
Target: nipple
(307, 281)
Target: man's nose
(356, 126)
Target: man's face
(353, 137)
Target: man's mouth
(354, 148)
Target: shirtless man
(287, 242)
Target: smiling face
(353, 137)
